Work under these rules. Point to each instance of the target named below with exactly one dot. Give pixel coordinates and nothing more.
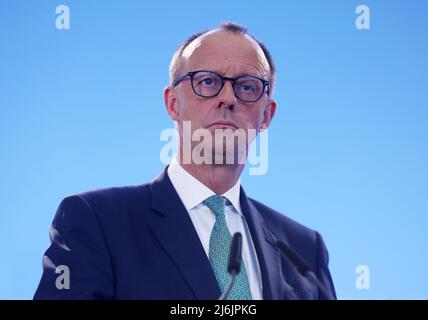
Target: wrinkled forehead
(223, 50)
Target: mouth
(223, 124)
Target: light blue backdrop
(83, 109)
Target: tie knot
(216, 204)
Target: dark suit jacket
(139, 243)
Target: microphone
(303, 268)
(234, 263)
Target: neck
(218, 177)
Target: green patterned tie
(220, 241)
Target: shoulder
(116, 196)
(282, 226)
(305, 241)
(107, 201)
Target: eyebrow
(242, 74)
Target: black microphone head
(293, 257)
(234, 264)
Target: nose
(227, 96)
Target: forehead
(225, 52)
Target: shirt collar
(192, 192)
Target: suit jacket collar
(173, 228)
(192, 192)
(267, 253)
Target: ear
(268, 115)
(170, 100)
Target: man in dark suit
(170, 239)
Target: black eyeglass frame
(191, 74)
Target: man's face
(230, 55)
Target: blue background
(82, 109)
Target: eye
(208, 82)
(247, 87)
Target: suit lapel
(172, 226)
(174, 229)
(269, 257)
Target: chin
(232, 153)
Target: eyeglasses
(208, 84)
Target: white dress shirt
(192, 193)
